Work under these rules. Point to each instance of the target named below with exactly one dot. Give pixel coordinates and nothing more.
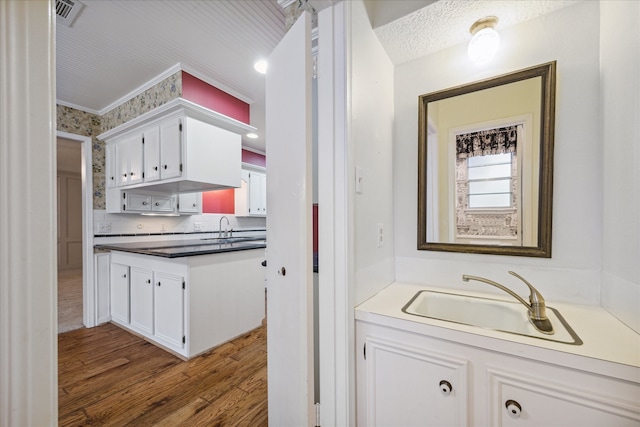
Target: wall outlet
(104, 227)
(197, 226)
(380, 234)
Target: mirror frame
(545, 199)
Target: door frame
(89, 291)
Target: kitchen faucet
(536, 307)
(225, 229)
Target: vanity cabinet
(251, 197)
(401, 381)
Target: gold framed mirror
(485, 165)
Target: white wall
(569, 36)
(620, 100)
(372, 150)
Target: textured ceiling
(446, 23)
(114, 47)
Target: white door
(289, 256)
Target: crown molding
(77, 107)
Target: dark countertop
(183, 248)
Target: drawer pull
(513, 408)
(445, 387)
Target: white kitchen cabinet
(141, 289)
(197, 302)
(187, 148)
(169, 309)
(251, 197)
(110, 166)
(151, 154)
(129, 160)
(102, 265)
(397, 379)
(141, 202)
(190, 203)
(119, 293)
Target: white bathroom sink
(487, 313)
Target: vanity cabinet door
(142, 299)
(408, 385)
(538, 394)
(119, 293)
(169, 309)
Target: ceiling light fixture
(261, 66)
(252, 135)
(485, 42)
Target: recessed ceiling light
(261, 66)
(252, 135)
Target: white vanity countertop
(605, 338)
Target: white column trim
(28, 259)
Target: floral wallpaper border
(79, 122)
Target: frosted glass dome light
(485, 42)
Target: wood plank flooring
(109, 377)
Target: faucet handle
(535, 296)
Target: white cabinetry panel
(168, 308)
(142, 299)
(119, 293)
(152, 154)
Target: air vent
(67, 10)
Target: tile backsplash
(107, 224)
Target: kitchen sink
(487, 313)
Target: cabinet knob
(132, 174)
(513, 408)
(144, 203)
(194, 205)
(148, 280)
(165, 167)
(155, 168)
(282, 271)
(124, 276)
(112, 178)
(157, 203)
(445, 387)
(159, 283)
(124, 174)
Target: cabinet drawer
(138, 202)
(162, 204)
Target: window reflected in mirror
(485, 165)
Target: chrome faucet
(225, 229)
(536, 308)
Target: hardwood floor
(109, 377)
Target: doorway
(69, 226)
(74, 206)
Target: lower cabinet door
(119, 300)
(521, 400)
(142, 299)
(169, 309)
(408, 386)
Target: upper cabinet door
(171, 148)
(136, 159)
(152, 154)
(289, 259)
(110, 166)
